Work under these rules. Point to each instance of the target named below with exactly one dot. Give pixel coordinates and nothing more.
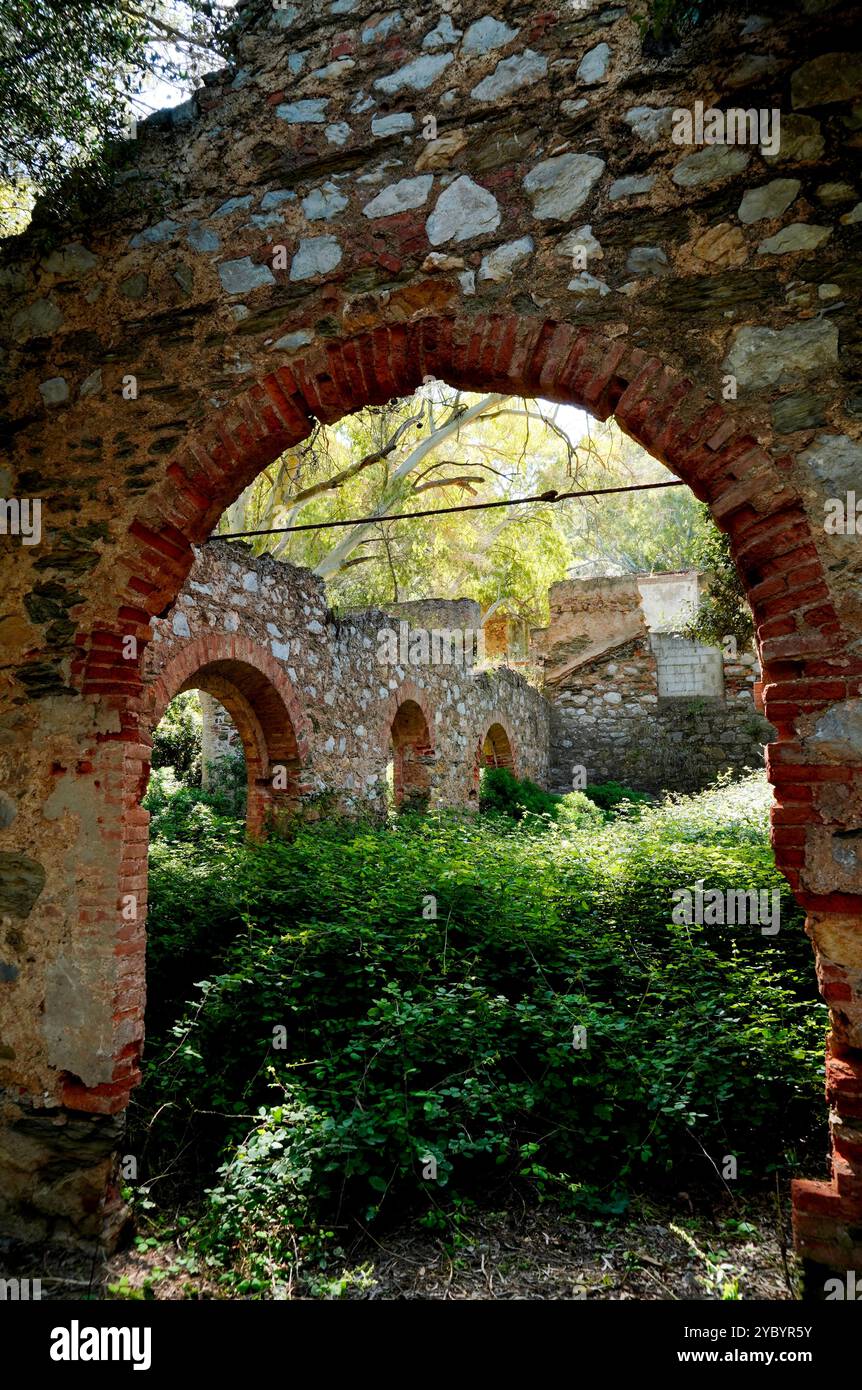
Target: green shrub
(575, 811)
(179, 811)
(614, 797)
(503, 793)
(227, 782)
(177, 738)
(429, 976)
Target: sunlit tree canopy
(441, 448)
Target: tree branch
(463, 482)
(352, 469)
(334, 560)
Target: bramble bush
(615, 798)
(180, 811)
(227, 782)
(504, 794)
(426, 978)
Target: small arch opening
(412, 758)
(197, 746)
(494, 749)
(248, 744)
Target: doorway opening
(412, 758)
(257, 739)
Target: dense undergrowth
(521, 799)
(370, 1021)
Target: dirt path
(657, 1253)
(660, 1249)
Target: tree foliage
(724, 610)
(74, 72)
(440, 448)
(631, 533)
(177, 738)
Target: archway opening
(703, 449)
(198, 749)
(496, 749)
(493, 749)
(259, 726)
(412, 758)
(223, 770)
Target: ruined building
(299, 240)
(618, 693)
(632, 700)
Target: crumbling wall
(652, 710)
(611, 721)
(346, 686)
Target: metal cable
(551, 496)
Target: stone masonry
(327, 704)
(637, 705)
(363, 197)
(219, 736)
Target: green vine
(672, 19)
(723, 611)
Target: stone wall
(340, 699)
(650, 710)
(612, 722)
(220, 738)
(656, 712)
(297, 242)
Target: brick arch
(748, 491)
(495, 746)
(803, 646)
(407, 690)
(262, 703)
(808, 662)
(407, 725)
(805, 653)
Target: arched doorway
(144, 395)
(222, 755)
(412, 756)
(494, 748)
(254, 691)
(799, 633)
(196, 745)
(812, 681)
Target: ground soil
(701, 1247)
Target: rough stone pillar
(817, 837)
(72, 979)
(211, 747)
(414, 762)
(219, 735)
(827, 1216)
